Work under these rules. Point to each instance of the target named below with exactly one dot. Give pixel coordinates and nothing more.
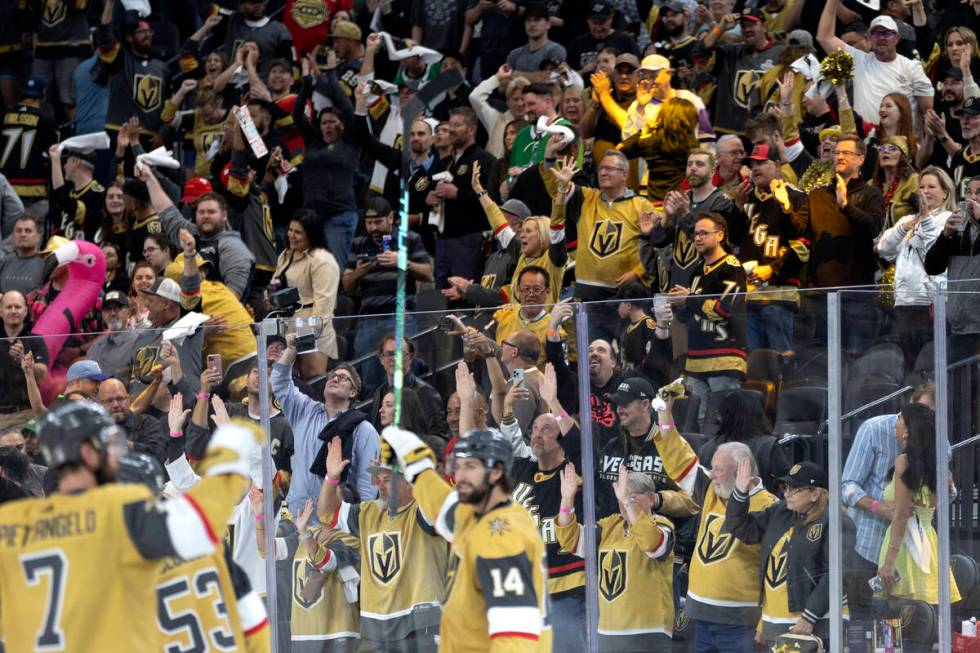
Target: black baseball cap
(115, 297)
(955, 73)
(632, 389)
(379, 206)
(971, 106)
(600, 10)
(805, 474)
(753, 14)
(536, 10)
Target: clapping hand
(27, 362)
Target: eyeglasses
(844, 153)
(790, 491)
(888, 148)
(388, 354)
(150, 249)
(612, 169)
(882, 34)
(703, 234)
(508, 343)
(646, 77)
(532, 290)
(337, 376)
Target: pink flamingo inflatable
(86, 274)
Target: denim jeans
(723, 638)
(769, 326)
(338, 231)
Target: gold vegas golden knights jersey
(207, 604)
(323, 619)
(724, 579)
(78, 571)
(497, 599)
(403, 568)
(636, 581)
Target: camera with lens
(284, 301)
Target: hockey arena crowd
(698, 184)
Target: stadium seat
(685, 414)
(885, 360)
(711, 420)
(766, 376)
(801, 410)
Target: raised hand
(220, 412)
(548, 385)
(786, 87)
(465, 385)
(621, 485)
(176, 415)
(303, 518)
(569, 482)
(27, 363)
(744, 477)
(475, 179)
(336, 463)
(255, 499)
(563, 171)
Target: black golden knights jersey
(498, 574)
(78, 572)
(207, 604)
(403, 568)
(137, 86)
(77, 214)
(540, 493)
(636, 581)
(27, 135)
(716, 324)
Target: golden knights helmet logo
(714, 545)
(53, 12)
(148, 92)
(776, 570)
(606, 238)
(385, 553)
(744, 84)
(302, 571)
(309, 13)
(612, 574)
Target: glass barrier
(677, 388)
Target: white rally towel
(159, 158)
(86, 142)
(142, 7)
(429, 56)
(566, 134)
(184, 327)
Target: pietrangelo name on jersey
(69, 524)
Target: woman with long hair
(897, 179)
(910, 547)
(664, 145)
(308, 266)
(115, 269)
(906, 243)
(794, 558)
(741, 418)
(506, 174)
(115, 223)
(142, 279)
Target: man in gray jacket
(230, 259)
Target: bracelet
(331, 481)
(716, 31)
(176, 434)
(566, 511)
(563, 415)
(259, 517)
(203, 396)
(667, 426)
(481, 194)
(874, 506)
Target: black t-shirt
(378, 287)
(584, 48)
(12, 386)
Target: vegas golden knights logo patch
(714, 546)
(814, 532)
(606, 238)
(776, 570)
(54, 12)
(681, 621)
(684, 252)
(905, 616)
(148, 92)
(421, 184)
(612, 574)
(309, 13)
(745, 82)
(300, 579)
(385, 551)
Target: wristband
(176, 434)
(716, 31)
(259, 517)
(667, 426)
(203, 396)
(566, 511)
(563, 415)
(874, 506)
(331, 481)
(481, 194)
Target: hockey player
(203, 587)
(97, 535)
(497, 597)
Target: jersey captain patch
(612, 574)
(385, 551)
(606, 238)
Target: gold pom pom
(837, 67)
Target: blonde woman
(906, 244)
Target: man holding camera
(373, 273)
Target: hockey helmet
(489, 446)
(62, 430)
(141, 468)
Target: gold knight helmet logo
(385, 552)
(612, 574)
(148, 92)
(309, 13)
(54, 12)
(606, 238)
(715, 545)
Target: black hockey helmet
(141, 468)
(489, 446)
(62, 430)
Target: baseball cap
(86, 369)
(194, 188)
(655, 62)
(516, 207)
(753, 14)
(955, 73)
(166, 288)
(971, 106)
(376, 466)
(345, 29)
(884, 22)
(281, 62)
(632, 389)
(834, 131)
(800, 38)
(764, 153)
(536, 10)
(115, 297)
(377, 205)
(87, 157)
(627, 59)
(805, 474)
(600, 10)
(34, 86)
(676, 6)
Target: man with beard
(965, 162)
(24, 269)
(497, 597)
(403, 560)
(137, 81)
(943, 130)
(114, 350)
(529, 146)
(144, 434)
(584, 49)
(679, 44)
(33, 483)
(681, 209)
(722, 594)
